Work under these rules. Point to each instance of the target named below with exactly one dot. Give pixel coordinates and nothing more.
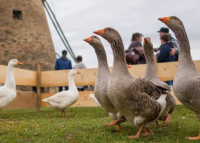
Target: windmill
(25, 34)
(58, 29)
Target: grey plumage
(133, 97)
(187, 80)
(151, 75)
(103, 76)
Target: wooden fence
(165, 71)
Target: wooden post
(38, 86)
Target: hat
(64, 52)
(164, 30)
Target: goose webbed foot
(157, 124)
(118, 128)
(113, 123)
(138, 133)
(147, 132)
(194, 138)
(167, 119)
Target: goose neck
(119, 65)
(10, 79)
(185, 58)
(101, 56)
(150, 69)
(72, 85)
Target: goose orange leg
(194, 138)
(147, 132)
(113, 123)
(138, 133)
(167, 119)
(118, 128)
(62, 114)
(157, 124)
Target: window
(17, 14)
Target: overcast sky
(79, 19)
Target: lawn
(88, 125)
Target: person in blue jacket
(163, 55)
(63, 63)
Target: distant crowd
(167, 52)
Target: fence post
(38, 86)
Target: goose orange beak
(19, 63)
(146, 40)
(78, 72)
(99, 32)
(164, 19)
(128, 66)
(89, 40)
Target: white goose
(64, 99)
(8, 91)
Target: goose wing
(58, 97)
(143, 99)
(144, 86)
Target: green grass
(88, 125)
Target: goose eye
(175, 18)
(109, 29)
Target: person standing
(173, 43)
(135, 52)
(79, 65)
(63, 63)
(163, 55)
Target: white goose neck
(72, 85)
(10, 79)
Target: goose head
(110, 34)
(147, 43)
(173, 22)
(94, 41)
(74, 72)
(14, 62)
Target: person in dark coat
(172, 42)
(163, 55)
(63, 63)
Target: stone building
(25, 35)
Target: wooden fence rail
(165, 71)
